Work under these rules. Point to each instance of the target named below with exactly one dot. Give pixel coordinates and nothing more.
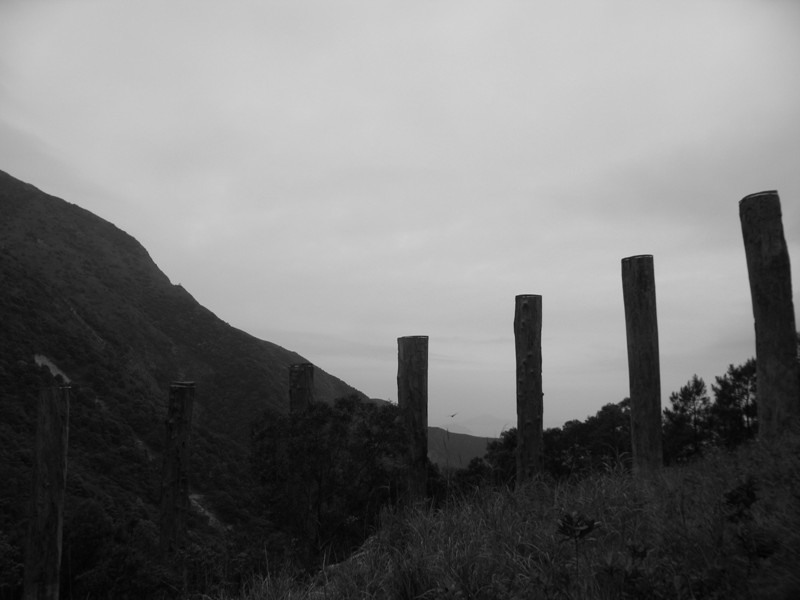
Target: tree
(733, 415)
(601, 441)
(608, 435)
(327, 471)
(501, 456)
(686, 429)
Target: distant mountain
(87, 296)
(454, 450)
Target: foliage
(733, 416)
(724, 526)
(602, 442)
(686, 424)
(327, 471)
(695, 423)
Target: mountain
(452, 449)
(81, 301)
(87, 296)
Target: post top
(413, 337)
(638, 257)
(182, 384)
(302, 365)
(521, 296)
(760, 195)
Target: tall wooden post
(528, 343)
(412, 399)
(771, 292)
(43, 545)
(644, 375)
(175, 470)
(301, 387)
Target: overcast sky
(333, 175)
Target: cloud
(358, 171)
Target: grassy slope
(687, 533)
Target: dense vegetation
(326, 472)
(720, 522)
(692, 424)
(726, 526)
(319, 484)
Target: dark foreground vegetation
(315, 488)
(724, 526)
(722, 520)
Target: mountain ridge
(73, 275)
(111, 297)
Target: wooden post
(528, 343)
(771, 292)
(412, 399)
(43, 545)
(301, 387)
(175, 471)
(644, 375)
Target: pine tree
(686, 424)
(734, 412)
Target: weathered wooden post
(644, 375)
(412, 399)
(771, 292)
(528, 343)
(43, 545)
(301, 387)
(175, 470)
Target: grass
(725, 527)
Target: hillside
(70, 276)
(82, 301)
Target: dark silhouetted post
(641, 323)
(175, 471)
(528, 343)
(771, 292)
(43, 546)
(412, 399)
(301, 397)
(301, 387)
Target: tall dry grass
(727, 526)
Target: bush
(726, 526)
